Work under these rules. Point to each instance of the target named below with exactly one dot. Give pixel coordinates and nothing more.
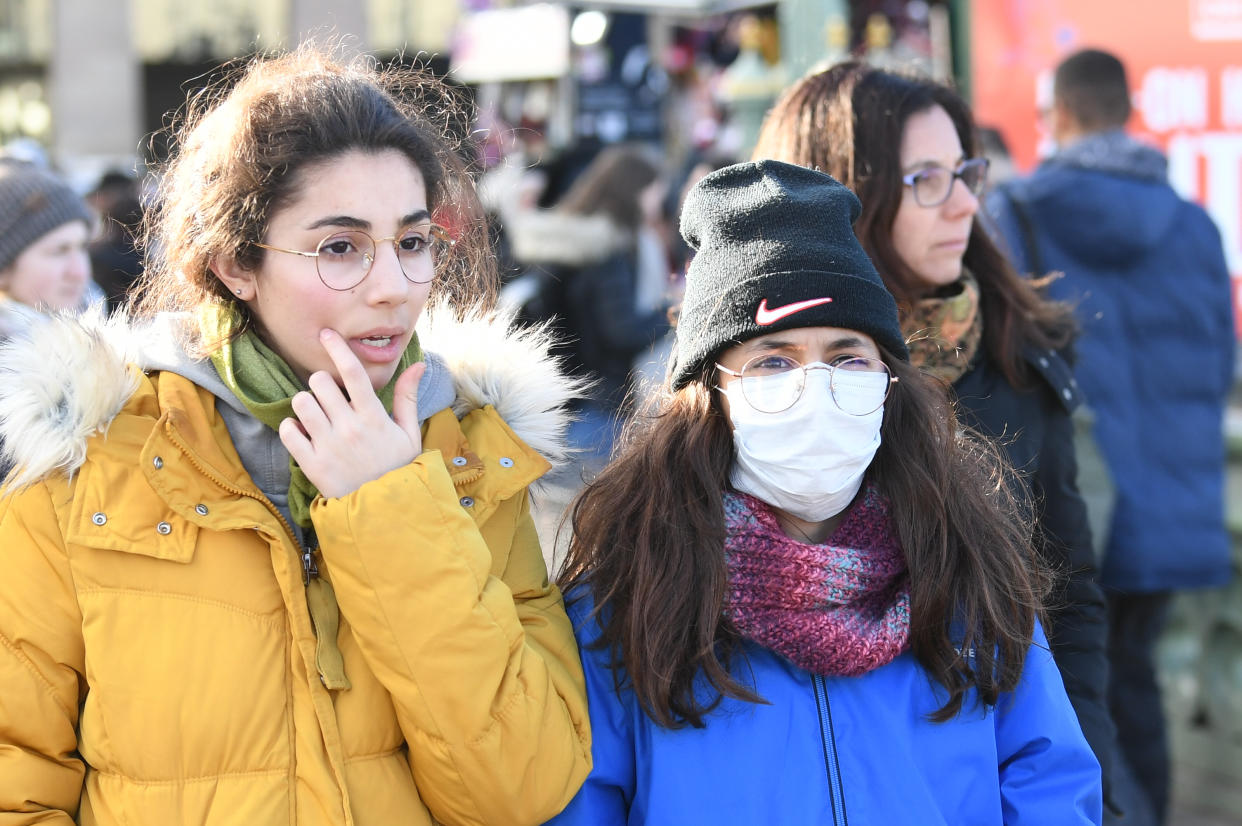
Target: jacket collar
(67, 379)
(1115, 153)
(1056, 370)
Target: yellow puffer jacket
(157, 658)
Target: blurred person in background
(907, 146)
(115, 260)
(44, 230)
(1000, 162)
(265, 558)
(605, 266)
(1147, 276)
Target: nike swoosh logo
(765, 316)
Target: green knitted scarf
(265, 383)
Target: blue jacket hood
(1107, 198)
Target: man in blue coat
(1147, 276)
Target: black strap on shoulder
(1026, 226)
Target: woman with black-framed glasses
(907, 146)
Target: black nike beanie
(775, 250)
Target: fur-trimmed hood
(15, 318)
(64, 380)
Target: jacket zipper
(310, 570)
(831, 764)
(308, 559)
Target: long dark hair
(649, 538)
(848, 121)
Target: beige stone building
(90, 80)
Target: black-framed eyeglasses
(344, 258)
(858, 385)
(933, 185)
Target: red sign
(1184, 61)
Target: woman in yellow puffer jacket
(266, 560)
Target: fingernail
(324, 334)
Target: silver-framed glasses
(772, 383)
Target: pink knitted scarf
(837, 609)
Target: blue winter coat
(1146, 274)
(837, 751)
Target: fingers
(311, 415)
(348, 367)
(329, 397)
(341, 443)
(295, 441)
(405, 401)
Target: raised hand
(342, 443)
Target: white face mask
(808, 460)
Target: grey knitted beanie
(775, 250)
(33, 202)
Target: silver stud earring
(238, 290)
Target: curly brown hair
(238, 148)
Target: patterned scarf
(943, 330)
(837, 609)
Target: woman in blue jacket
(802, 594)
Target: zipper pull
(310, 570)
(310, 544)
